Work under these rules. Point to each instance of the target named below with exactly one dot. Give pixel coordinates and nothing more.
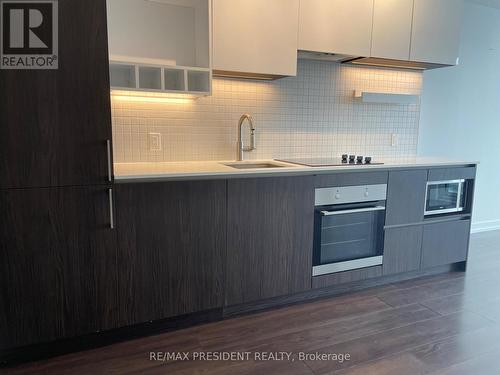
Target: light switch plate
(154, 141)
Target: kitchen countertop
(198, 170)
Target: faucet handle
(252, 140)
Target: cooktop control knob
(359, 160)
(352, 158)
(345, 157)
(368, 160)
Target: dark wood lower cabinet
(351, 179)
(205, 247)
(445, 243)
(57, 264)
(270, 237)
(172, 248)
(444, 174)
(402, 249)
(406, 197)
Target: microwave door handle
(459, 196)
(352, 211)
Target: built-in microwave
(444, 197)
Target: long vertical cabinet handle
(111, 211)
(110, 170)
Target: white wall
(460, 115)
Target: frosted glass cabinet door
(436, 31)
(257, 36)
(392, 29)
(336, 26)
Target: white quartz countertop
(195, 170)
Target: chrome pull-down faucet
(242, 148)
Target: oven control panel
(350, 194)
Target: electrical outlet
(394, 140)
(154, 141)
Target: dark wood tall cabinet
(172, 246)
(269, 237)
(54, 124)
(57, 250)
(57, 262)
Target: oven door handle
(353, 211)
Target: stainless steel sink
(253, 165)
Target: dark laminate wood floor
(446, 324)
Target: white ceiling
(489, 3)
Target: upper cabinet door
(170, 52)
(336, 26)
(257, 36)
(175, 32)
(54, 123)
(436, 31)
(392, 29)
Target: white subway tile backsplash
(313, 114)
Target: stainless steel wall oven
(349, 228)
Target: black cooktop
(326, 162)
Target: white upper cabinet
(392, 29)
(255, 37)
(436, 31)
(171, 31)
(160, 46)
(336, 26)
(423, 32)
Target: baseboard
(16, 356)
(335, 290)
(485, 226)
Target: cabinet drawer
(443, 174)
(351, 179)
(445, 243)
(346, 277)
